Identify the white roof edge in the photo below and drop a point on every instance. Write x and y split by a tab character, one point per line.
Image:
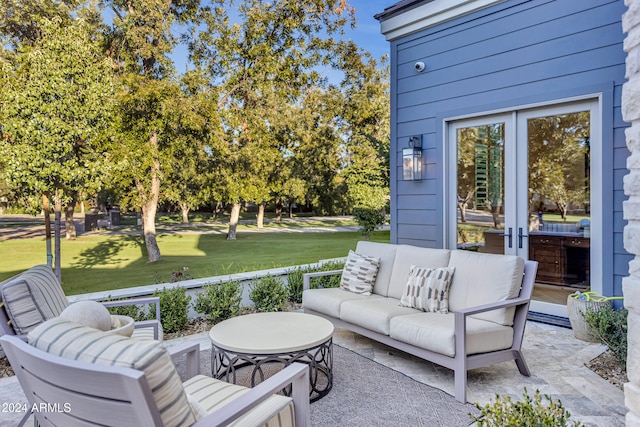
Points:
430	14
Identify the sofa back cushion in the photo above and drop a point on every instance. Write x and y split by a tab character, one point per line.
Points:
485	278
32	297
78	342
386	252
407	256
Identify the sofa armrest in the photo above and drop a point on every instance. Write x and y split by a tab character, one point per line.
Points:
306	278
460	320
191	350
492	306
297	374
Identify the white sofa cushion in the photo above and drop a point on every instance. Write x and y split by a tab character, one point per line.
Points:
485	278
427	289
373	314
77	342
359	273
328	300
434	332
387	253
406	256
206	394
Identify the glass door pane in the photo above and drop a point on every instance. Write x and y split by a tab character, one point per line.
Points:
480	187
559	203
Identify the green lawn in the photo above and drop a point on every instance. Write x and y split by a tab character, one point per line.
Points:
101	262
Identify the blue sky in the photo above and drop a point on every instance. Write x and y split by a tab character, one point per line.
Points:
366	34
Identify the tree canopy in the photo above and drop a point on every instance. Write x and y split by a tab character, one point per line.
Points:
93	104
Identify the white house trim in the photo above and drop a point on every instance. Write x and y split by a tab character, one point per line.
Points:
429	14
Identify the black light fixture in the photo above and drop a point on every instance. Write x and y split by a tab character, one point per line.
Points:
412	159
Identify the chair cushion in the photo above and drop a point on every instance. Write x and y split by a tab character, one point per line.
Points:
374	314
32	297
77	342
359	273
485	278
427	289
434	332
328	300
209	394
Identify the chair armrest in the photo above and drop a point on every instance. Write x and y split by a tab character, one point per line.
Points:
306	278
297	374
191	350
155	324
135	301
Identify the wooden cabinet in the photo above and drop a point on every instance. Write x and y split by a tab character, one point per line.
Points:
563	258
548	251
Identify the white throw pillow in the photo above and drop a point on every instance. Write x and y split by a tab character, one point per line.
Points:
359	274
427	289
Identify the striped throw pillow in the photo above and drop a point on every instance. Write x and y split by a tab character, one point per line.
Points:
427	289
77	342
33	297
359	273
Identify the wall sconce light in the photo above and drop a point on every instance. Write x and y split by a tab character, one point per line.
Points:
412	159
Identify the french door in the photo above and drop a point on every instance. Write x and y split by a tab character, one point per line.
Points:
520	183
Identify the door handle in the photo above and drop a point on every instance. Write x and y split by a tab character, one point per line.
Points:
520	236
509	235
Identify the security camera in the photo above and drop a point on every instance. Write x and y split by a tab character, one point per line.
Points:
419	66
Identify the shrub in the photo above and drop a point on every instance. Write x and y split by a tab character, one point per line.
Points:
332	281
174	305
369	220
529	412
609	326
134	311
269	294
295	282
219	301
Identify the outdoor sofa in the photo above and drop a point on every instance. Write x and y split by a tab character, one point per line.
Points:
478	321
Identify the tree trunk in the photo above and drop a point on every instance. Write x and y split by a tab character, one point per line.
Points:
279	210
233	221
290	209
260	217
185	213
495	213
57	209
47	228
150	207
69	225
463	211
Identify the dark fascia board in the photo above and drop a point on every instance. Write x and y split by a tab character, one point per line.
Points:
400	7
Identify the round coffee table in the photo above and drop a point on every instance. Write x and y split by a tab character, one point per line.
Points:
260	340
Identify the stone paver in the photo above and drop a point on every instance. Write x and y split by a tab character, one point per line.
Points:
555	357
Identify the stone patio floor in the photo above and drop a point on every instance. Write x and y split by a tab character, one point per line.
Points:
555	357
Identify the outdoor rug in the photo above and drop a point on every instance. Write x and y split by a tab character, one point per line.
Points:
366	393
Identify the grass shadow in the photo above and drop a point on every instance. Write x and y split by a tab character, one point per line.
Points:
108	252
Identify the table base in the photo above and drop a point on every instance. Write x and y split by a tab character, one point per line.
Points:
227	365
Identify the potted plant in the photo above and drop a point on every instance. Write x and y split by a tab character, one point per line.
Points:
577	304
